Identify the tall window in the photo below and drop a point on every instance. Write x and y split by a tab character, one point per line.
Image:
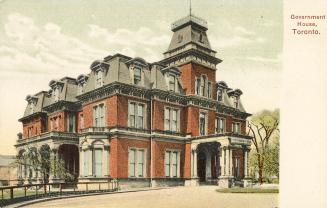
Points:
137	76
209	90
98	162
71	123
98	79
98	115
220	125
172	83
202	87
198	85
136	115
236	128
171	119
86	163
171	163
203	123
136	162
220	95
30	131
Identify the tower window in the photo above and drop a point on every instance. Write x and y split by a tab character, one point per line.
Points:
220	95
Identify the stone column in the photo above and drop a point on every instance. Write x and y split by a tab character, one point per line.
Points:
231	162
90	160
227	162
222	161
81	162
194	172
246	179
105	159
246	164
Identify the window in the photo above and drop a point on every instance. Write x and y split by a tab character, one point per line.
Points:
220	125
171	119
172	83
86	163
136	162
220	95
201	38
30	131
198	84
171	163
136	115
98	79
137	76
55	94
236	128
32	107
98	162
202	86
236	102
209	90
203	124
71	123
98	115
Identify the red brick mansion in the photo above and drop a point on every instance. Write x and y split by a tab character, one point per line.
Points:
146	124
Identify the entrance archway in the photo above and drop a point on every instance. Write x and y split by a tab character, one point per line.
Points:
208	162
69	154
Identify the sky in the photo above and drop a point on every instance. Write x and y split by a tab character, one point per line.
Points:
45	40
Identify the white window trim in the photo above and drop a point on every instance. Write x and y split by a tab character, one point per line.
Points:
206	122
217	125
144	114
240	127
136	163
170	162
171	118
104	113
98	85
141	83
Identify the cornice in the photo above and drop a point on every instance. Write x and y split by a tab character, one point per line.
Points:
62	105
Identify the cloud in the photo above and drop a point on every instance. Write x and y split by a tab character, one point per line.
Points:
143	42
234	36
29	48
278	59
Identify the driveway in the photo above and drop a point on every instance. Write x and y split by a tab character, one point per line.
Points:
183	197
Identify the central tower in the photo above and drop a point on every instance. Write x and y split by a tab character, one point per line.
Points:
190	50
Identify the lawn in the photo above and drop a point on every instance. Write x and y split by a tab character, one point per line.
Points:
248	190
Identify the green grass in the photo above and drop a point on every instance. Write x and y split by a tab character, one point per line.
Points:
247	190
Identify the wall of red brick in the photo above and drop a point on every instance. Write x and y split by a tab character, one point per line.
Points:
192	70
119	156
36	124
192	121
61	115
159	157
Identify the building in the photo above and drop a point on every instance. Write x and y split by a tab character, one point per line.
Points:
8	171
164	123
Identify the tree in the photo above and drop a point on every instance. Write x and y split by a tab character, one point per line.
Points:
41	162
262	127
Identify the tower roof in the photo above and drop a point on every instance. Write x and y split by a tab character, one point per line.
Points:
189	20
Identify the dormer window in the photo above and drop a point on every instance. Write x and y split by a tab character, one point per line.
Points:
98	79
137	76
172	83
220	95
56	94
236	102
32	107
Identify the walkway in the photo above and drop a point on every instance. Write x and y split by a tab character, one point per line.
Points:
183	197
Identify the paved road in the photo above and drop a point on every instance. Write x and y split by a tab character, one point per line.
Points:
179	197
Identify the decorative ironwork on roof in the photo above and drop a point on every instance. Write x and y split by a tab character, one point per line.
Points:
189	19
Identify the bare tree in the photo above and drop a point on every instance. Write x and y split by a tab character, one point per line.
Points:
261	128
